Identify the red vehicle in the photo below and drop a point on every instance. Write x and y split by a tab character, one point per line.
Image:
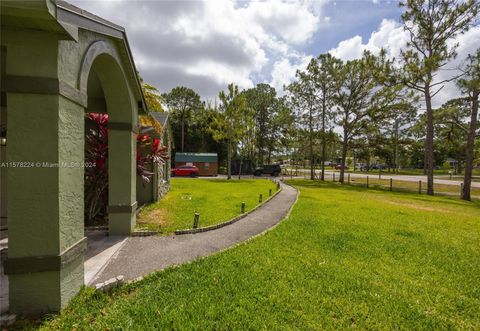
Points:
340	166
185	170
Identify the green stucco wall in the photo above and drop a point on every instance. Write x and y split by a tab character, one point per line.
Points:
45	203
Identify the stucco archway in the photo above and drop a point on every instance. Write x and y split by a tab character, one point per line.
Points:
49	50
101	69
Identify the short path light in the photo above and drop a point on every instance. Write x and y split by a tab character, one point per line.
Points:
243	207
196	219
260	198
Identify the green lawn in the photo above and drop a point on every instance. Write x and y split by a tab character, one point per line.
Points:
374	182
438	173
346	257
216	200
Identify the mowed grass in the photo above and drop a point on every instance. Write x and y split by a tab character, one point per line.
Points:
217	201
346	258
384	183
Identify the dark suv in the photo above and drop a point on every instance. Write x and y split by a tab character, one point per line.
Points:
268	169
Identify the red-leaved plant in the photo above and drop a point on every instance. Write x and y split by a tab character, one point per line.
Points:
96	160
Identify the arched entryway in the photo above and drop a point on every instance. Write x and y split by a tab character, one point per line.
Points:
50	52
104	83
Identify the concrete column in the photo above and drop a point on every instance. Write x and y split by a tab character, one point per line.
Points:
45	205
121	179
45	135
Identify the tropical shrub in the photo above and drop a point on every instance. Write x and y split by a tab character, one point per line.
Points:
96	157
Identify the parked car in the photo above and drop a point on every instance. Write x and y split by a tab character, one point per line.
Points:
340	166
361	166
378	166
185	170
268	169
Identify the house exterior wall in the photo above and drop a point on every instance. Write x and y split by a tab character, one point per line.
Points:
45	104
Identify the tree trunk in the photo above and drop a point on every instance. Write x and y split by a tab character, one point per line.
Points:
240	169
395	148
354	161
323	140
312	170
429	141
183	132
344	158
467	181
229	160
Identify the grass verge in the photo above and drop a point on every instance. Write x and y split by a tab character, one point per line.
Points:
346	257
217	201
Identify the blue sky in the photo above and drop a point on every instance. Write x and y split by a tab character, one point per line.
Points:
350	18
206	45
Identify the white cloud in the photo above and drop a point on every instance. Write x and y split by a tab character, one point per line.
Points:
284	71
349	49
208	44
390	36
292	22
393	38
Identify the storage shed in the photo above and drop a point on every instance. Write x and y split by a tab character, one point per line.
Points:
207	163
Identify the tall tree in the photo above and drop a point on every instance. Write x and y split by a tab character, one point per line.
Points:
245	133
303	99
451	122
182	101
281	126
431	24
324	70
470	85
226	124
261	98
396	126
354	99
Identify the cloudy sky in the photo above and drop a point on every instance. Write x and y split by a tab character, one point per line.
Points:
206	45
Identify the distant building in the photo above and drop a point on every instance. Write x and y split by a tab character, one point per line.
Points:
207	163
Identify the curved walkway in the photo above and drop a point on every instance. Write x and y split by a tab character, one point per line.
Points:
143	255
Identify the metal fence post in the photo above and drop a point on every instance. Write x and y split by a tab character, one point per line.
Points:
367	181
334	177
348	178
391	184
419	187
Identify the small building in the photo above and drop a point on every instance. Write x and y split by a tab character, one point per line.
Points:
207	163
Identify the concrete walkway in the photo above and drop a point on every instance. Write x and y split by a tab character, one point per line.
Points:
140	256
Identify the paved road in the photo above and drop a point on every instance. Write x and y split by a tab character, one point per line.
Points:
141	255
409	178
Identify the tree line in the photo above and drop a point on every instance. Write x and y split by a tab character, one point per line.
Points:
375	106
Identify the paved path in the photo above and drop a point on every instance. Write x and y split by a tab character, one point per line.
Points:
141	255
